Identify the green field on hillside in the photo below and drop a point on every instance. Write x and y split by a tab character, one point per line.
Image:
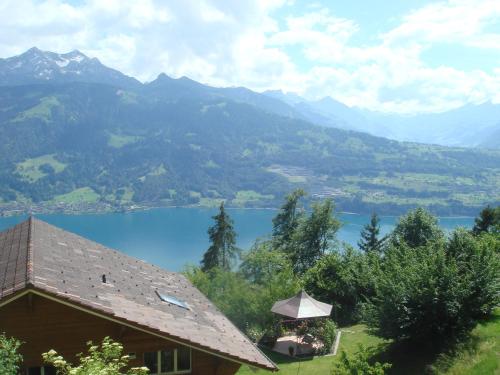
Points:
32	170
82	195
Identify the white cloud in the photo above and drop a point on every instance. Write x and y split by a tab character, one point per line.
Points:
392	75
241	43
459	21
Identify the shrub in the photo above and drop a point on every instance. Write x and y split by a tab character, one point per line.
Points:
345	280
323	330
106	358
436	293
359	364
10	359
416	228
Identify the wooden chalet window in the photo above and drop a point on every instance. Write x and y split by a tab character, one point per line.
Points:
171	361
43	370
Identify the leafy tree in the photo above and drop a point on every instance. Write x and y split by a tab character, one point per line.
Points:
261	264
246	296
345	280
10	359
286	221
487	221
416	228
314	236
229	291
223	251
246	303
359	364
435	294
106	358
478	262
370	241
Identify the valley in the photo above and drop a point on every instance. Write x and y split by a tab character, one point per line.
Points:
114	144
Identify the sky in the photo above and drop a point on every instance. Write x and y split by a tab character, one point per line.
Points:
407	56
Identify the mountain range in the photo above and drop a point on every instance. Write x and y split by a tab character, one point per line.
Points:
467	126
75	132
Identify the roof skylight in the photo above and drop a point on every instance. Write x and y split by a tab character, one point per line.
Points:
172	300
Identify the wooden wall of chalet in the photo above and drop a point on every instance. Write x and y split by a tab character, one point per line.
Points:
43	324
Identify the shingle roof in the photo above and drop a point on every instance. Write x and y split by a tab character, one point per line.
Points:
38	255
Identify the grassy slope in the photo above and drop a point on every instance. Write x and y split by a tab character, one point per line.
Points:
81	195
479	356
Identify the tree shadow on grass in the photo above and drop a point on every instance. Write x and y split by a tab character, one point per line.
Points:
411	359
279	358
406	358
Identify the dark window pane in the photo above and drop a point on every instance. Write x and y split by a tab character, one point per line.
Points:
183	358
35	371
151	362
167	360
49	370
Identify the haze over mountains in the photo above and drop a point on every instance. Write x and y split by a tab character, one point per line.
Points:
74	130
468	126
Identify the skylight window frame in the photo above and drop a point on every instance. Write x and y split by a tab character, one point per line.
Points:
172	300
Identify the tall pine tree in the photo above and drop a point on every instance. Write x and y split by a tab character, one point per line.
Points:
487	221
370	241
223	251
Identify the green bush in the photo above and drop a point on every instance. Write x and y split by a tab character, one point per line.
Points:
325	331
246	297
417	228
345	280
359	364
106	359
436	293
10	359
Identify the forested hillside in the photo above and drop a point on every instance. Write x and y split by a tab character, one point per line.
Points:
177	142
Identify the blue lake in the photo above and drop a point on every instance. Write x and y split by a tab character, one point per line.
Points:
174	237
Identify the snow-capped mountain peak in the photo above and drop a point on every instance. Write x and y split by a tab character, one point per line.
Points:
36	66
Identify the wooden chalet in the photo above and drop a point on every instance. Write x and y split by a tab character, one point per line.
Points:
59	290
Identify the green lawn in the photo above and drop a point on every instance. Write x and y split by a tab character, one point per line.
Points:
480	355
351	337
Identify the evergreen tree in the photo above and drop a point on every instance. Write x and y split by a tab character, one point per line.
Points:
286	221
222	251
487	221
370	241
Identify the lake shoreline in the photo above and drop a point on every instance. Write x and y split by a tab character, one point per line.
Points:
105	208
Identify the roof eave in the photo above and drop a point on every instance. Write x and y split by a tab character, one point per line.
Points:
67	300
